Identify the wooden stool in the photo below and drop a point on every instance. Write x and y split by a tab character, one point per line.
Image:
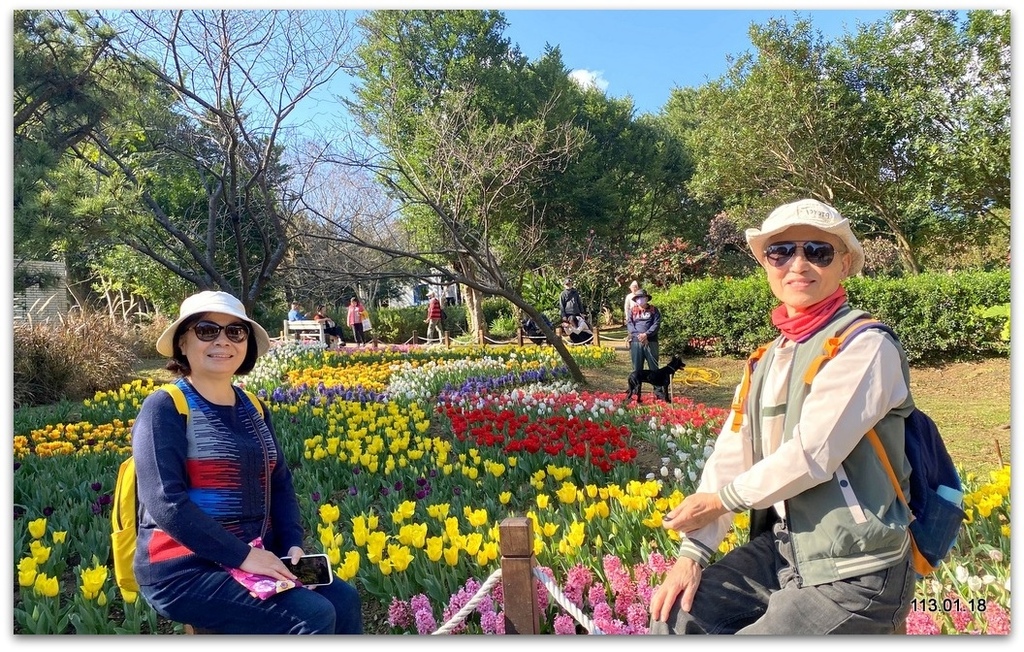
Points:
191	630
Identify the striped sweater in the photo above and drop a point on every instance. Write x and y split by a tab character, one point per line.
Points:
204	484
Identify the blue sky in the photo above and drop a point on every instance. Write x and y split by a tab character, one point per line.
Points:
646	53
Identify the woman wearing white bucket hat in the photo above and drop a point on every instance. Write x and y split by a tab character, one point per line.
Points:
829	549
216	496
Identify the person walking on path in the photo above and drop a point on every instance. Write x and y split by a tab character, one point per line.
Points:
216	501
434	314
642	324
829	549
355	321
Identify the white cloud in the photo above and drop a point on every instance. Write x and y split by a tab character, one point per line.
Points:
589	79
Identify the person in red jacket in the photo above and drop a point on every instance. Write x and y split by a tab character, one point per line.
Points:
433	319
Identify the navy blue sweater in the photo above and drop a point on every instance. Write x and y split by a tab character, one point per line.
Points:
203	488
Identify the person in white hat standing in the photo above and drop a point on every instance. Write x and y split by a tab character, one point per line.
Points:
829	548
215	493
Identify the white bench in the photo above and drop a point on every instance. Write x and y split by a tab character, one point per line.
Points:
305	329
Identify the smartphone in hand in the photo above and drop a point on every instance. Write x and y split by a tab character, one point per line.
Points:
312	570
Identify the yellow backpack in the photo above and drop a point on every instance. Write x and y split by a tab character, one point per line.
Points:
124	513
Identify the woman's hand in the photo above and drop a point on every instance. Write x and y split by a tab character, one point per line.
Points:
681	580
264	562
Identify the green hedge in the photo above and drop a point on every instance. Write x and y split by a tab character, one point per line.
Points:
938	317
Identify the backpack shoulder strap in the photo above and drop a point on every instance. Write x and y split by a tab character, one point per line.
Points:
255	402
181	403
738	405
835	344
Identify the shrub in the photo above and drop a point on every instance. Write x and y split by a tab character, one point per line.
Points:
72	359
938	317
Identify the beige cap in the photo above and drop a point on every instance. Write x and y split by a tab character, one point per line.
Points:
211	301
807	212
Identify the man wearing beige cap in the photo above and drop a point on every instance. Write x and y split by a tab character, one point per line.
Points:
829	548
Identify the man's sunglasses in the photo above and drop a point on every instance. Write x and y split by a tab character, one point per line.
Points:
207	331
819	254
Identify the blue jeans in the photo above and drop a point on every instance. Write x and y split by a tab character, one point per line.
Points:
215	601
754	590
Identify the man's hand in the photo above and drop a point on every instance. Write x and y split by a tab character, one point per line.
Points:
696	511
681	580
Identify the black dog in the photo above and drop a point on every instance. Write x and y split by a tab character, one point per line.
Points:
661	379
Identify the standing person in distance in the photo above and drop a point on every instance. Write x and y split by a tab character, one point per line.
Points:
214	482
569	302
627	307
642	324
433	320
355	321
837	559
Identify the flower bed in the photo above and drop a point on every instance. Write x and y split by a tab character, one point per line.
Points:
405	462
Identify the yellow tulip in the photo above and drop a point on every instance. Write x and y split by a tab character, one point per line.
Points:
27	571
504	497
129	596
542	501
59	537
329	513
349	569
435	548
37	528
46	586
39	552
92	581
400	557
451	556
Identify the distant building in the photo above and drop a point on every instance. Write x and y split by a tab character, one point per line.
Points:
41	290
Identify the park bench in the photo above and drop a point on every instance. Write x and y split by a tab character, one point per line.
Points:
304	329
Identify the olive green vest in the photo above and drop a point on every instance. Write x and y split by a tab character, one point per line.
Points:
853	523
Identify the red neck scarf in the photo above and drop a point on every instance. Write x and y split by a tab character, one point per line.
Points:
802	325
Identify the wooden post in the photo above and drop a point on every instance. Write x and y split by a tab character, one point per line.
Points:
597	335
522	614
480	337
519	332
447	340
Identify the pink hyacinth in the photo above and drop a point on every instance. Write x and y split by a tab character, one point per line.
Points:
596	595
638	618
423	613
492	622
921	623
659	564
997	621
961	619
564	624
577	581
399	613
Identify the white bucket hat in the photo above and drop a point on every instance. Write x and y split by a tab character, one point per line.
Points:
210	301
809	212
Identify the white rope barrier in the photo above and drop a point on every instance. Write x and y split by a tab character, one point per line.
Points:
461	615
548	585
565	603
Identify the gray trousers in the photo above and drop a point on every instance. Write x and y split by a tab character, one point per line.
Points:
753	590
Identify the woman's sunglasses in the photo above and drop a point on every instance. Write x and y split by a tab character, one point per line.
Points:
207	331
819	254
